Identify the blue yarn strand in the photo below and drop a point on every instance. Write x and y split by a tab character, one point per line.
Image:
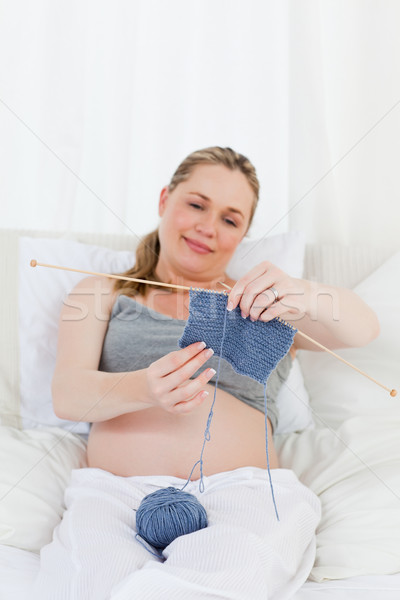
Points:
147	547
207	435
266	450
169	513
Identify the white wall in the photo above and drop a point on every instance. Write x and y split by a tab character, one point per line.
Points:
105	99
345	120
100	101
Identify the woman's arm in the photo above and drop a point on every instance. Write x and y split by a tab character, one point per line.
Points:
335	317
83	393
89	395
79	390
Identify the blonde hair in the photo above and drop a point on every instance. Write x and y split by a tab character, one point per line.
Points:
148	250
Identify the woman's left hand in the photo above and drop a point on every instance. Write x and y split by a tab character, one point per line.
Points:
254	294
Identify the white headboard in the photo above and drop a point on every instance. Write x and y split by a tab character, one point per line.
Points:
343	266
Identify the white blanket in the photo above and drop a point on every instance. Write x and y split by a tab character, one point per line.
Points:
18	570
244	552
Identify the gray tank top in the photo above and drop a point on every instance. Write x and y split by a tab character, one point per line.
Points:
138	335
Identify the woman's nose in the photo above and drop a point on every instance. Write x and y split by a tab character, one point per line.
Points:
206	225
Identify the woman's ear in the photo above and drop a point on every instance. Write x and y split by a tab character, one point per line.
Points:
163	200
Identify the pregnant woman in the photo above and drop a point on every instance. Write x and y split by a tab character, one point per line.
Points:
119	368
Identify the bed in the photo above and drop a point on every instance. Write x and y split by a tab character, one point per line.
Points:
339	431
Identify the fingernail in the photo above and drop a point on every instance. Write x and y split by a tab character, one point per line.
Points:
209	352
212	372
201	345
203	394
230	306
243	315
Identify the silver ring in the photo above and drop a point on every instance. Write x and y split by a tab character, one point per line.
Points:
275	292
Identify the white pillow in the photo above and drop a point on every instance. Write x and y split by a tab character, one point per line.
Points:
40	298
336	391
35	470
352	458
42	291
295	413
285	250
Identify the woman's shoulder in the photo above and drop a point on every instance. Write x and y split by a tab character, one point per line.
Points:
96	290
96	282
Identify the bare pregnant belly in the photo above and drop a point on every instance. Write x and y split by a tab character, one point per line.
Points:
155	442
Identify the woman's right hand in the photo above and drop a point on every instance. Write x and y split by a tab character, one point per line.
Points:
168	379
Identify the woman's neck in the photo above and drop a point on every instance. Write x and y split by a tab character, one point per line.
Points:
168	275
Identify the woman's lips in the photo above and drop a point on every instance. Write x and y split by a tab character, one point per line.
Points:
197	247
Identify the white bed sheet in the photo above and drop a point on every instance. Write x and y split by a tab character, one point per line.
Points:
19	567
368	587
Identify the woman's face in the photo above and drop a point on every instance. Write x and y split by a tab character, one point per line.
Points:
203	220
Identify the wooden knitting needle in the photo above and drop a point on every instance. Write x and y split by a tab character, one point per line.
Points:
346	362
35	263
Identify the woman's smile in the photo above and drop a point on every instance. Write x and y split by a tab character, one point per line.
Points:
197	246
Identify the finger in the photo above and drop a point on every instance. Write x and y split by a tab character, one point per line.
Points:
173	360
237	291
253	290
262	302
192	387
186	407
272	312
184	373
257	286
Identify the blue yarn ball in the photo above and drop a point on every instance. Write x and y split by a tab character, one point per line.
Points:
168	513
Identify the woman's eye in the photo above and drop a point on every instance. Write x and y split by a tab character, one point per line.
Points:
200	207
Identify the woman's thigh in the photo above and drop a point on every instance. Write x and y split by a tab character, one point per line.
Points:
94	546
245	552
244	549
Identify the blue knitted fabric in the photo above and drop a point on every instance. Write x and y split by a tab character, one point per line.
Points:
252	348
